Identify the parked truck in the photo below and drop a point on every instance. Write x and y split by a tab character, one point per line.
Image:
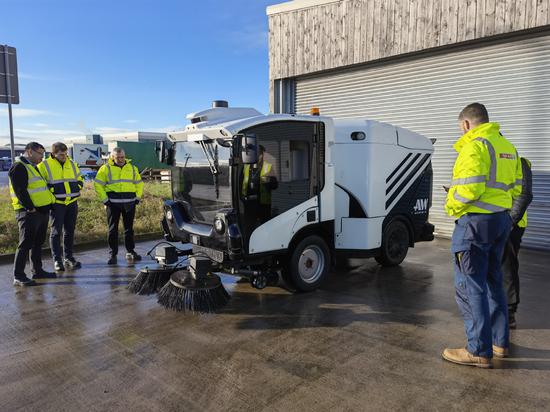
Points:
337	188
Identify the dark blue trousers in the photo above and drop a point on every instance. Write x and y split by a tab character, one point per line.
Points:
477	246
63	218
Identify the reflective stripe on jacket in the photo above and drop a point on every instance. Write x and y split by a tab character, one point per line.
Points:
265	194
64	180
37	188
487	173
118	184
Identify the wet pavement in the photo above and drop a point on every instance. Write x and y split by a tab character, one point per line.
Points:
370	339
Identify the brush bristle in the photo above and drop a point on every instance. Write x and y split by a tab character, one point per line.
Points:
148	282
199	300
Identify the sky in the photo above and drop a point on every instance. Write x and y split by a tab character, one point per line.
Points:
104	66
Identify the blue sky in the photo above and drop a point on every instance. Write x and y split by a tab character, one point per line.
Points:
98	66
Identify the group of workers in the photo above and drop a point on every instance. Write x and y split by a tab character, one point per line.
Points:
45	190
490	191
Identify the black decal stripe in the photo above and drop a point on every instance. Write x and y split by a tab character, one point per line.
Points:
398	167
400	177
421	165
355	208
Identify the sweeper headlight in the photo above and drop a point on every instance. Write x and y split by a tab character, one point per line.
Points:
219	225
169	215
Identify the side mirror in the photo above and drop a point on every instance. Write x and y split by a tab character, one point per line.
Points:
249	149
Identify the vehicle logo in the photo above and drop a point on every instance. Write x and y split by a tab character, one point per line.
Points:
421	206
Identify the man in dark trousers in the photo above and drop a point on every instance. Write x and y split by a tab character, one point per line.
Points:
32	202
119	186
510	262
65	182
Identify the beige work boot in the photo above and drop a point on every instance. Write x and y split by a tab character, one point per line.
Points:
463	357
499	352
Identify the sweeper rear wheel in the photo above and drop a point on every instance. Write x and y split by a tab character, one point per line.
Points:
184	293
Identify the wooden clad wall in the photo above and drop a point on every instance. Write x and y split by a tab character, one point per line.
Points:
347	32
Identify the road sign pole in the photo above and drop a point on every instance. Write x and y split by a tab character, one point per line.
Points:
8	88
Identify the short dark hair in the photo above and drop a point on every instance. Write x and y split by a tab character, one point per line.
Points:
59	147
262	149
476	112
34	146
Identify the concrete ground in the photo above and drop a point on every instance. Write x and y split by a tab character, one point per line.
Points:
371	339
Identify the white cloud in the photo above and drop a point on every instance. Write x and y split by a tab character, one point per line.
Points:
57	132
19	112
43	135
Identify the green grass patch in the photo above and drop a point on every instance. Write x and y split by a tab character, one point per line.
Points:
91	224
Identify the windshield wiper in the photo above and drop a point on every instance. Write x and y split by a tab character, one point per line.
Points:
211	153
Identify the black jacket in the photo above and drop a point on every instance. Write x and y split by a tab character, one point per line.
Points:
520	204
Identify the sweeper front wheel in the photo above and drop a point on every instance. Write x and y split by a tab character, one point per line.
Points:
308	265
185	293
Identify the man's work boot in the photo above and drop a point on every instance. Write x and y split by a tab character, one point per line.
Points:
58	266
42	274
132	257
72	263
463	357
499	352
23	281
112	260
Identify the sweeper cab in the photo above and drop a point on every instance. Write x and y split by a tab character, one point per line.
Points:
260	196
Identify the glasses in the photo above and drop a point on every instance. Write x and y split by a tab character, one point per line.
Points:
41	154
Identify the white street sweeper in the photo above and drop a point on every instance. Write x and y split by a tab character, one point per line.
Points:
260	196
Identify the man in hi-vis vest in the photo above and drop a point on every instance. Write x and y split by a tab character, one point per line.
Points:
65	182
487	177
258	182
31	200
119	186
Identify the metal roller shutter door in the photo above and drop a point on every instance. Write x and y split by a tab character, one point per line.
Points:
426	94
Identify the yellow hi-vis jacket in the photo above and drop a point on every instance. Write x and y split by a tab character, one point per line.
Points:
265	194
117	184
37	188
64	180
487	173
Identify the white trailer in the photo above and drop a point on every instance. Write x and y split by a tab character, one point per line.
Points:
337	188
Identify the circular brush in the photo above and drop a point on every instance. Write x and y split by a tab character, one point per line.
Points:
150	279
185	293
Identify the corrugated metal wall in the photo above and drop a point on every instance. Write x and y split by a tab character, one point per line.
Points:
425	94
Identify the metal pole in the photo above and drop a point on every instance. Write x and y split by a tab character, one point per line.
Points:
8	88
